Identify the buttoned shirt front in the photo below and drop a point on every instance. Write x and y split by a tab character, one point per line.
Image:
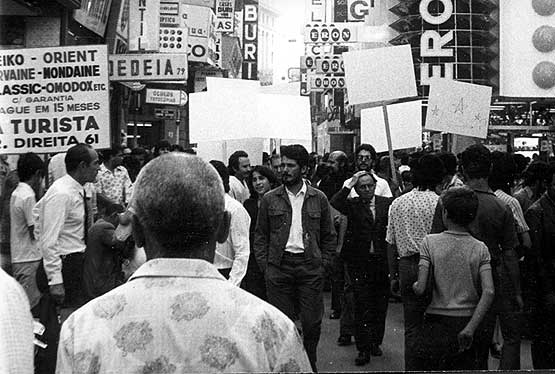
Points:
410	220
234	252
295	243
116	185
23	247
60	224
179	316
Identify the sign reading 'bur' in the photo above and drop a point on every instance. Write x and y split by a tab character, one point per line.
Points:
458	108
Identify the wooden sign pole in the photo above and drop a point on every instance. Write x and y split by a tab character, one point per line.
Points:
389	145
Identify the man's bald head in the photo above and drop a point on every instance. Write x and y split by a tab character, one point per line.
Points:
178	200
337	161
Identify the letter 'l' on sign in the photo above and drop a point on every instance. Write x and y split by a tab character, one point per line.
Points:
144	25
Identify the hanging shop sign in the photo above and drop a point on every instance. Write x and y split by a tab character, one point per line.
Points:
330	65
320	81
144	25
224	15
168	97
318	11
53	98
93	14
148	67
449	39
250	40
335	33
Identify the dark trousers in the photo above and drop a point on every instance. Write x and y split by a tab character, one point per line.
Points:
371	291
72	272
253	281
347	322
337	282
505	307
543	338
437	346
413	307
299	281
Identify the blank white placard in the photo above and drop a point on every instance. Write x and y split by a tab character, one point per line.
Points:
405	123
379	74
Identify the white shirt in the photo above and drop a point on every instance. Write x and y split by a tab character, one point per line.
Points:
59	225
238	190
16	328
382	187
22	202
179	316
295	242
234	252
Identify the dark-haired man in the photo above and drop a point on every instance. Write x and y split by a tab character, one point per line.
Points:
410	220
177	314
25	252
239	168
532	186
495	226
366	158
61	225
113	180
293	241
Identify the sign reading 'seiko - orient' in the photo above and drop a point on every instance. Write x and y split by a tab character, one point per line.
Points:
53	98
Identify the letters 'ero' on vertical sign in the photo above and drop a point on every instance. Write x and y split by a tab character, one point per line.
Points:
250	39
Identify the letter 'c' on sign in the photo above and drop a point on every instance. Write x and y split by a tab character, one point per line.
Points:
436	20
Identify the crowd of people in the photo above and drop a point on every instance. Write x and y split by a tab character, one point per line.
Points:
163	263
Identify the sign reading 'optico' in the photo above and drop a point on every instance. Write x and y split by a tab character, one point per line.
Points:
54	98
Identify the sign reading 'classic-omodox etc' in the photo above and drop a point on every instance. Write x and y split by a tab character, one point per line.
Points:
53	98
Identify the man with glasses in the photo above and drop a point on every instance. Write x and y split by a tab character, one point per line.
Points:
366	157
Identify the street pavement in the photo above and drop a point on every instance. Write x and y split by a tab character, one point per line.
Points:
332	358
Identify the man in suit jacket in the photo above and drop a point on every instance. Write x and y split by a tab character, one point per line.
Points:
365	253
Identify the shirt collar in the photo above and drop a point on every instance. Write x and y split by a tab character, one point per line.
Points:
180	267
301	192
24	186
72	183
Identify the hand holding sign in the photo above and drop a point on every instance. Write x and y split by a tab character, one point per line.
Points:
458	108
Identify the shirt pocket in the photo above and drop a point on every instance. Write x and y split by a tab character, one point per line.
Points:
314	220
277	218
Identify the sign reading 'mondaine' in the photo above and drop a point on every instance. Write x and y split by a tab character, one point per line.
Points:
54	98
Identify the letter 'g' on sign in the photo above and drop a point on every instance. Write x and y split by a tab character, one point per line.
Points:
439	19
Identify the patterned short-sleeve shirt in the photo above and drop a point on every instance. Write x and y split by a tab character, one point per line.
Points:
117	186
179	316
410	220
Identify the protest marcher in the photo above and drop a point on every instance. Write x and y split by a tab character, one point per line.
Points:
456	268
275	160
179	215
541	219
261	180
16	328
232	256
9	185
113	180
102	265
293	240
239	168
494	225
365	254
162	148
383	170
61	225
451	178
25	253
366	157
410	220
532	186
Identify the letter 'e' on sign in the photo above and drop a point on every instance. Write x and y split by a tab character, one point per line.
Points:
380	74
458	108
144	25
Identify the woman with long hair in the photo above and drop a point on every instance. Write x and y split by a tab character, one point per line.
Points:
261	180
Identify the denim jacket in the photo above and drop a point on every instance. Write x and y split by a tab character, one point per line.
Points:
274	223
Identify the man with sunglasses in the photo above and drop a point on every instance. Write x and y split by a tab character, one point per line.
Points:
366	157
